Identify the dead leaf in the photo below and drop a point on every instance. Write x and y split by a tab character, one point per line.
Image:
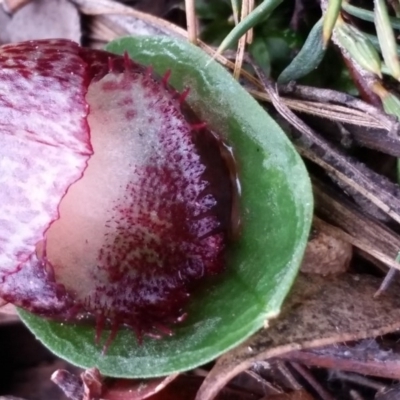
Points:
326	254
377	241
320	311
44	19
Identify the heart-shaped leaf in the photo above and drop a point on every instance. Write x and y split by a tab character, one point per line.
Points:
276	211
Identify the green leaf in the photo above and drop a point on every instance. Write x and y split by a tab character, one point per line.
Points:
276	208
308	58
387	39
359	47
260	53
261	11
367	15
329	19
391	104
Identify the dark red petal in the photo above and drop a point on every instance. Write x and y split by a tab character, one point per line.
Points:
44	140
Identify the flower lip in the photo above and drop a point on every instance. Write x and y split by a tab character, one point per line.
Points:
149	217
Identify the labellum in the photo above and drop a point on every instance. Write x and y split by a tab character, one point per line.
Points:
116	200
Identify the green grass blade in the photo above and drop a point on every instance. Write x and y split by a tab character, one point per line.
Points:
359	47
330	18
260	12
235	10
367	15
387	40
308	58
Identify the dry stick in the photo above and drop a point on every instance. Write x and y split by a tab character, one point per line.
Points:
340	357
355	177
328	95
312	381
241	43
101	29
340	234
264	383
337	210
333	112
362	114
341	166
291	381
250	32
387	280
375	137
191	21
378	238
358	379
352	110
